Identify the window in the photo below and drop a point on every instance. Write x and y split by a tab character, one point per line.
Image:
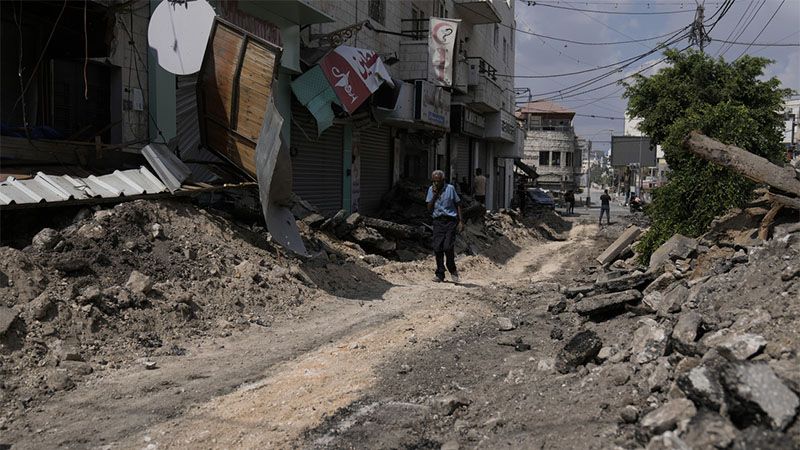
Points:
556	159
377	11
568	160
496	34
544	158
440	9
417	26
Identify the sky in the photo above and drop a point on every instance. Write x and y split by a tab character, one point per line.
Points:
538	56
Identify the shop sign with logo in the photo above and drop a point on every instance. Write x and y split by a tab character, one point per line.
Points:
432	105
354	74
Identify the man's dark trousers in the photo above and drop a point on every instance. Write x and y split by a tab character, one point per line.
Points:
444	240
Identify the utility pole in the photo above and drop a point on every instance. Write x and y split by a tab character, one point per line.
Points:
698	33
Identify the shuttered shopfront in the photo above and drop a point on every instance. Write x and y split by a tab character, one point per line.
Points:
462	157
376	167
316	162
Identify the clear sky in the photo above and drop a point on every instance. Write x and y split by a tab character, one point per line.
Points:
746	21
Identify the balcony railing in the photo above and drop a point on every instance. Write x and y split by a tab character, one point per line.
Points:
414	29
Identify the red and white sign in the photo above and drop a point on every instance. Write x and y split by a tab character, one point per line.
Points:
354	74
441	43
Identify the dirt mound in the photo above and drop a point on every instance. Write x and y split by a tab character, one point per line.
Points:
139	279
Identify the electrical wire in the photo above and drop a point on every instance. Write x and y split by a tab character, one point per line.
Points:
633	41
138	78
733	30
763	28
596	79
747	24
536	3
41	56
761	44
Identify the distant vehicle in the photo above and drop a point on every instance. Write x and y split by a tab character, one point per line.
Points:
540	198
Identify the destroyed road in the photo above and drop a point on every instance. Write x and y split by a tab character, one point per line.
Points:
218	340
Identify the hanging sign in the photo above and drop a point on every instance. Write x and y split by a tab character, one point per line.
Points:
441	44
354	73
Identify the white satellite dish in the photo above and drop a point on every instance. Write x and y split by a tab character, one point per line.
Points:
178	34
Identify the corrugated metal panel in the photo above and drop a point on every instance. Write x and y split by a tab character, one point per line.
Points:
188	124
45	188
316	162
376	167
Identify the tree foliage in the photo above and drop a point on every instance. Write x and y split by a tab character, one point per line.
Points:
724	100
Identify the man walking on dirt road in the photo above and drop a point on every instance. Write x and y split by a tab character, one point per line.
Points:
479	189
605	207
445	207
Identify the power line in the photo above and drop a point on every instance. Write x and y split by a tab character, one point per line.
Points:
595	43
536	3
775	44
733	30
747	24
615	3
762	29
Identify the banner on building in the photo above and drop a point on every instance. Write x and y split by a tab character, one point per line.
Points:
441	45
354	73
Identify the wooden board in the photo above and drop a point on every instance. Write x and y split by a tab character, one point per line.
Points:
235	87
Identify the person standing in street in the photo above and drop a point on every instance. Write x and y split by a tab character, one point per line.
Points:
445	207
605	207
479	186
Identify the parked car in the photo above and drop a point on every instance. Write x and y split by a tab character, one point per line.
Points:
539	198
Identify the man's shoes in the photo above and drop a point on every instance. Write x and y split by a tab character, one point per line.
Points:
436	279
454	277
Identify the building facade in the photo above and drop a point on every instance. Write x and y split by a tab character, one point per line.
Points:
475	126
552	146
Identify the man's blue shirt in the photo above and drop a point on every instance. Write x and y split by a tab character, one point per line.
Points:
446	203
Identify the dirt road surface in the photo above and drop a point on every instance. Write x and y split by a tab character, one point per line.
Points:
417	367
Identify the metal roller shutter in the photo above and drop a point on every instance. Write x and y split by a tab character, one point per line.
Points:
376	167
462	157
316	162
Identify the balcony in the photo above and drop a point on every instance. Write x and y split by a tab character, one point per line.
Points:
477	11
486	96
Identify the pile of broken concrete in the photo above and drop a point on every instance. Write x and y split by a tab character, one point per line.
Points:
714	351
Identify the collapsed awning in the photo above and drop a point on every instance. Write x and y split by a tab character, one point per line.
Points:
346	76
526	169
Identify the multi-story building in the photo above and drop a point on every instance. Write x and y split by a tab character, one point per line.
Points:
650	176
551	145
474	126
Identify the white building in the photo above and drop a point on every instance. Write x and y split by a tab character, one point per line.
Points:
791	117
552	146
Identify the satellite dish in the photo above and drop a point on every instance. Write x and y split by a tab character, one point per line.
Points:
178	34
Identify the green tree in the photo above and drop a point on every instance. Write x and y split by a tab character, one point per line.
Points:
724	100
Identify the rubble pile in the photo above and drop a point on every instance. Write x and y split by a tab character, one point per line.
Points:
137	280
713	356
403	232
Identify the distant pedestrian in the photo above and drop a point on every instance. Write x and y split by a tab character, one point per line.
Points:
605	207
445	207
569	197
479	186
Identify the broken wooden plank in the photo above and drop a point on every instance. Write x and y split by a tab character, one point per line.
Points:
766	222
743	162
783	200
614	250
